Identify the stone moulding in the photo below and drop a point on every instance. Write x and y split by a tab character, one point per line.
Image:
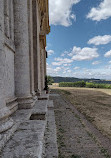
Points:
26	102
12	104
5	122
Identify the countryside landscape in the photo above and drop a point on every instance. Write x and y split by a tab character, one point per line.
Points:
55	78
88	101
79	63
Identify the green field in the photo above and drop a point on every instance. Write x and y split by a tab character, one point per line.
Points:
85	84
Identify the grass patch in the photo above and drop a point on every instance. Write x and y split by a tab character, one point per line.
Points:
65	92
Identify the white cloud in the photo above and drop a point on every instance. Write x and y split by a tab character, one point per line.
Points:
57	69
66	64
65	53
108	54
85	53
110	62
69	71
60	12
102	12
101	73
53	71
98	40
96	62
56	63
76	68
50	52
61	61
108	66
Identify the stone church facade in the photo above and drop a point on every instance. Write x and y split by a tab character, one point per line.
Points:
24	25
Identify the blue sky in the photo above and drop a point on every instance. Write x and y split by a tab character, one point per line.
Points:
79	44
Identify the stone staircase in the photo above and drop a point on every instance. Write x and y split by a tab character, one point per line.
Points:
31	136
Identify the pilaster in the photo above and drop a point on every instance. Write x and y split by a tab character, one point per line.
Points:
5	122
36	48
42	60
31	57
22	55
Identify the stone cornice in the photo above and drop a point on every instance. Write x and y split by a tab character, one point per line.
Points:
44	16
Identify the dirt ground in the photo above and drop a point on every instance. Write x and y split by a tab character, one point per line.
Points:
77	137
94	104
56	86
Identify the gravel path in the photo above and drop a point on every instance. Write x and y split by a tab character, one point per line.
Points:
77	138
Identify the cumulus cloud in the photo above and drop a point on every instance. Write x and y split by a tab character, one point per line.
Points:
66	64
108	54
100	73
57	69
61	61
85	53
53	71
65	53
76	68
110	62
60	12
102	12
96	62
50	52
98	40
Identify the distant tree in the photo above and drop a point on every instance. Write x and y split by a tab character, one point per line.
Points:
50	80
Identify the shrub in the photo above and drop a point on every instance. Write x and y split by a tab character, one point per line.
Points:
50	80
72	84
98	85
84	84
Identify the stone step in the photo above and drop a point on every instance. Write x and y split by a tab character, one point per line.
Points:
5	136
43	97
40	107
27	141
50	104
50	134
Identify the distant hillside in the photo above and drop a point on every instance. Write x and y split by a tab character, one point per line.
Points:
73	79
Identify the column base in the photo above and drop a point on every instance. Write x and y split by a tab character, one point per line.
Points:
12	104
5	121
26	102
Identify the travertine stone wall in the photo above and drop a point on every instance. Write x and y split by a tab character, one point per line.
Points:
42	67
9	50
22	48
22	55
5	123
9	73
31	54
34	3
22	64
38	47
